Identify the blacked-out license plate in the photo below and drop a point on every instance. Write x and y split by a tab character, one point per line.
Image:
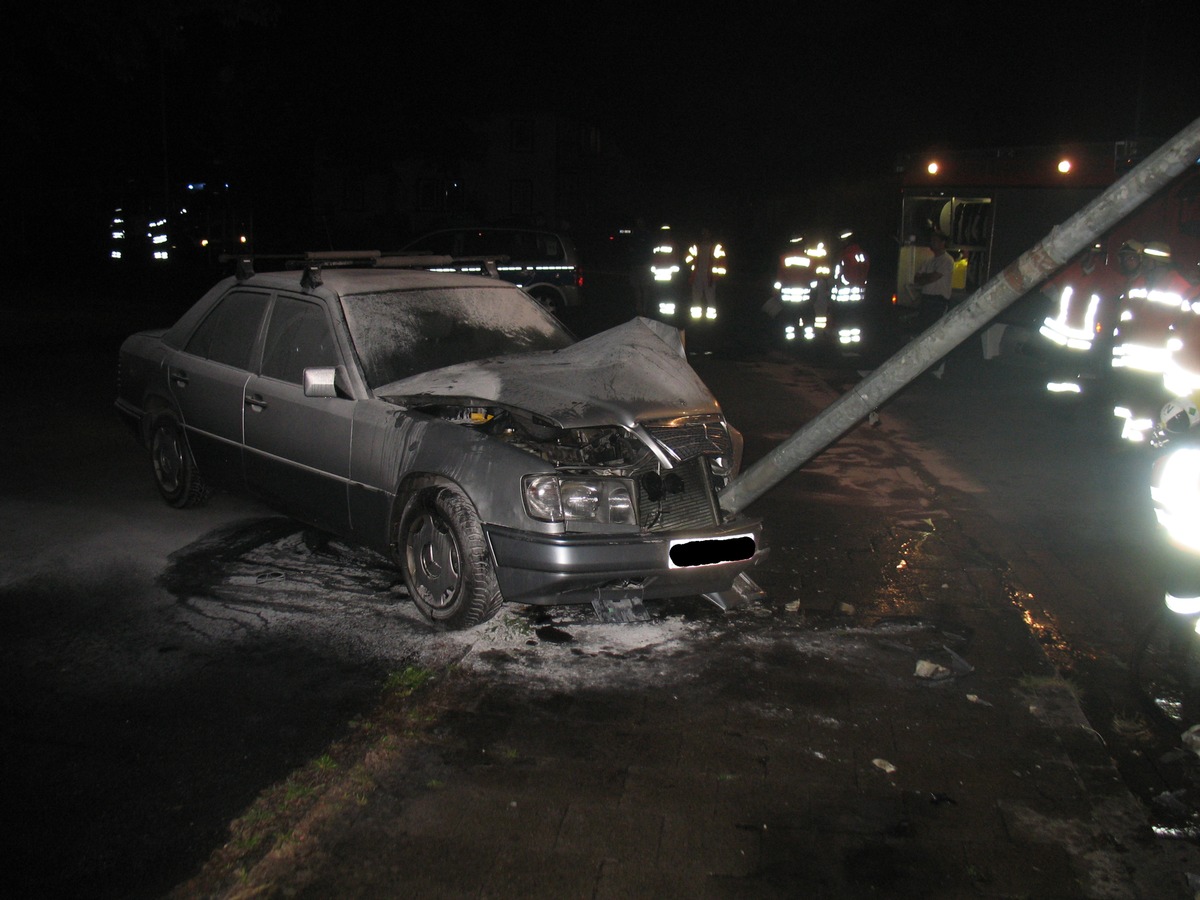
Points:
685	554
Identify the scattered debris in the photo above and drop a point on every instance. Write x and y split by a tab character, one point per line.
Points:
884	765
846	609
928	669
960	665
975	698
743	591
614	610
1191	739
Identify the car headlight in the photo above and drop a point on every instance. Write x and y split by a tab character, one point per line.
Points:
603	501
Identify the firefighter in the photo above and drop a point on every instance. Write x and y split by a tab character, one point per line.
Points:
707	260
1084	316
1152	308
662	277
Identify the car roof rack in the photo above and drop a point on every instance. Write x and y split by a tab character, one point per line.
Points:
314	260
245	261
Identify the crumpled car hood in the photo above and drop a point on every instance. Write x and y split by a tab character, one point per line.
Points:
633	372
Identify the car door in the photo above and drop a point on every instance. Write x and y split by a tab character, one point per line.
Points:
297	448
207	379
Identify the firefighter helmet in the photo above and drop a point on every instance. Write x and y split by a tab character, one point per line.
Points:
1129	257
1179	414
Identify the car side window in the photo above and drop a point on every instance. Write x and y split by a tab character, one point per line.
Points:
228	333
487	243
298	338
549	248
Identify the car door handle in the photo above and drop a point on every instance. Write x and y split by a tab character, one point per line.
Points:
179	376
256	402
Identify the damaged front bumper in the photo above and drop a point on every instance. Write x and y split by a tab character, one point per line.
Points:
544	569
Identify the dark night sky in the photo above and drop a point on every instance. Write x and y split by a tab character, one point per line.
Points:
744	101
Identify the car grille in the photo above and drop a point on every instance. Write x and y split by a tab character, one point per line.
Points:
677	498
684	497
690	436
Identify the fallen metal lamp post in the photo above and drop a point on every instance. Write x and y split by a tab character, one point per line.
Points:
1029	270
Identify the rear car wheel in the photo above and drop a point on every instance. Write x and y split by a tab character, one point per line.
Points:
175	474
445	558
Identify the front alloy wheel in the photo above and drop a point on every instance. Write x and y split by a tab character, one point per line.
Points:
446	562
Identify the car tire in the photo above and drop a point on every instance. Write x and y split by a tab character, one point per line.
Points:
445	559
175	474
549	300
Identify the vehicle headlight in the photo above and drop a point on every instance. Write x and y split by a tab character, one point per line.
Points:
620	506
603	501
580	500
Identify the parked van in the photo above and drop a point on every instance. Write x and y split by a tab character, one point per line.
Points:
544	263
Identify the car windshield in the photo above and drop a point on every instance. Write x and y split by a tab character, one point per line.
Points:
402	333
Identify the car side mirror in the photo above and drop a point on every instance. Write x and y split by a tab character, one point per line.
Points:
325	381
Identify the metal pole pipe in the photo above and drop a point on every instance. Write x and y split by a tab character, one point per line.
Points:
1029	270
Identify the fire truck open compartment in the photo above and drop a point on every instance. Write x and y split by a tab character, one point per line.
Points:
994	203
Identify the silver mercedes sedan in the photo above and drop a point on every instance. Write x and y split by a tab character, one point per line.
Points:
451	423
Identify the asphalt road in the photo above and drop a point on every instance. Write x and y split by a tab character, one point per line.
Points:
159	678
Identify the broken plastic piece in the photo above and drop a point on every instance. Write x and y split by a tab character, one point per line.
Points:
620	607
884	765
742	591
960	665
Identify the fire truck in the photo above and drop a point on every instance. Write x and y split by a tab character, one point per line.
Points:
993	204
